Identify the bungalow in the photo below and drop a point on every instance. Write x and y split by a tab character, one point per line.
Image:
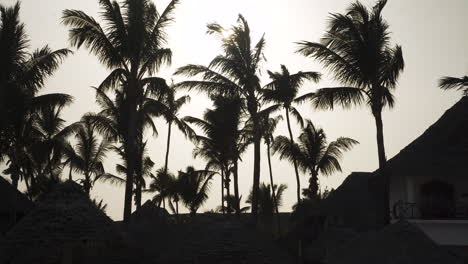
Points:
428	185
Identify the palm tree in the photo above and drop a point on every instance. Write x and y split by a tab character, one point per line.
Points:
88	155
170	113
163	185
235	72
221	145
111	123
131	46
195	185
313	153
23	74
283	91
447	83
51	134
266	205
268	128
356	49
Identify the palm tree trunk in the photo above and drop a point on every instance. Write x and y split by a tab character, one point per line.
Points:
382	167
167	146
70	173
236	189
298	180
272	190
228	191
222	192
313	185
87	184
130	145
256	172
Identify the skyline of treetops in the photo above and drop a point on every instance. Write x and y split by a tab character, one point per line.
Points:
134	102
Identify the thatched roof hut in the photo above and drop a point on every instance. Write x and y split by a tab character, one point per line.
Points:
13	205
399	243
213	238
64	227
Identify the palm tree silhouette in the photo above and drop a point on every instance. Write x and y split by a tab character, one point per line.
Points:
131	46
195	185
356	48
266	204
448	83
313	153
170	113
145	165
22	76
221	145
235	72
283	92
88	155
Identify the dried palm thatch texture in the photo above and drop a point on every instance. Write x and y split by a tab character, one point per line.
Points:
64	226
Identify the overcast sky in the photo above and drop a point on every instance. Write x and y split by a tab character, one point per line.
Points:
433	35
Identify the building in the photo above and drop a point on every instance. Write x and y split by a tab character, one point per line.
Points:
428	184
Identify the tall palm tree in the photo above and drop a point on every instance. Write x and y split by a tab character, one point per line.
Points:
283	91
313	153
23	74
195	185
235	72
131	45
268	128
170	113
356	49
221	144
447	83
88	154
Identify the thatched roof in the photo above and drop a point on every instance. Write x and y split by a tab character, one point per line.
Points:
441	149
8	201
400	243
150	212
64	219
212	238
354	202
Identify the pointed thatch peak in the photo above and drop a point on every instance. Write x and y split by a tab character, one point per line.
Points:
399	243
63	218
149	211
443	145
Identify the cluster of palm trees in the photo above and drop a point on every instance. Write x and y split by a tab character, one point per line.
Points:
131	43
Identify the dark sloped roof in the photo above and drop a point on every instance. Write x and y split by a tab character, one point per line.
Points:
62	218
441	149
8	202
212	238
354	202
399	243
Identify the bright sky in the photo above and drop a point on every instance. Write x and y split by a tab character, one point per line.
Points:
433	35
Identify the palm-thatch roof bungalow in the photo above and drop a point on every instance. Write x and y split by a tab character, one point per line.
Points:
13	205
428	184
64	227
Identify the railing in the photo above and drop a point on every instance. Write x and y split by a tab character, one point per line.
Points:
407	210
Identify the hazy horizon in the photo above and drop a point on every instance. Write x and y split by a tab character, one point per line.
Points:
432	34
